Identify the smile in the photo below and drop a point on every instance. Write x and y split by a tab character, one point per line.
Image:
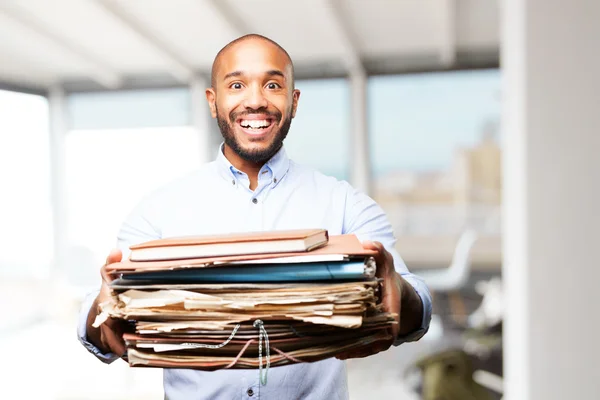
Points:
255	123
258	126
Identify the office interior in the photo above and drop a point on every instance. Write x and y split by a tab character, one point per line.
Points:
472	123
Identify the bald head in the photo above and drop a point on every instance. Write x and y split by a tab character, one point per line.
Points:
246	38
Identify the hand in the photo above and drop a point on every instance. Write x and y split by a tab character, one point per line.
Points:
390	298
365	351
109	336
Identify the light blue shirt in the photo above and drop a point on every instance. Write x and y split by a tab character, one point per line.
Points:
217	199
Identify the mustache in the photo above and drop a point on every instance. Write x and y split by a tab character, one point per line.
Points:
233	116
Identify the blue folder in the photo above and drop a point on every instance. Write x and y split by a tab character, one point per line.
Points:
300	272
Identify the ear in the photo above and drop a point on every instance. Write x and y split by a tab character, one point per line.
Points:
211	98
295	97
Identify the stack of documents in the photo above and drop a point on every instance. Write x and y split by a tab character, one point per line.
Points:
310	298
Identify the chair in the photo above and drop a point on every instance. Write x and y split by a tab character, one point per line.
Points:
454	277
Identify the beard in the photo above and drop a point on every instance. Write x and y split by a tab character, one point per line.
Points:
257	156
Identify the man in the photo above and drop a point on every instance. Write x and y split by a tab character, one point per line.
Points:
253	186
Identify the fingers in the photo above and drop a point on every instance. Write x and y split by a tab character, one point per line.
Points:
114	256
364	352
111	332
112	337
345	356
356	354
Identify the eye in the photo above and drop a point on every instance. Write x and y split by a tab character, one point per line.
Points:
235	85
273	85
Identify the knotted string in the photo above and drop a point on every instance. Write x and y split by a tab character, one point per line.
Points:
262	337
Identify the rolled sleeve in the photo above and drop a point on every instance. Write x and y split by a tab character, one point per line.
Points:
82	331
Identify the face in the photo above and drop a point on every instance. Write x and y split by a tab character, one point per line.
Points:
253	99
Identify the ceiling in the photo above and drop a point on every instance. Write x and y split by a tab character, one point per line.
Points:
112	44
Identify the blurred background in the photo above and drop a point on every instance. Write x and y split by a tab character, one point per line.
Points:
102	101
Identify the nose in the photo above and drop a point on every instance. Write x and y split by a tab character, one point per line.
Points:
255	98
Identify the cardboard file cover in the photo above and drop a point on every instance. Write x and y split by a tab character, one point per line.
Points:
229	244
346	245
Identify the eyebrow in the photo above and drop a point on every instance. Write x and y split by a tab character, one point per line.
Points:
272	72
232	75
275	72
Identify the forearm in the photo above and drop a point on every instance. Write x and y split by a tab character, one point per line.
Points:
409	302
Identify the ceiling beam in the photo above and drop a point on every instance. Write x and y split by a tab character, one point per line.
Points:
336	13
179	68
236	24
100	72
22	88
448	32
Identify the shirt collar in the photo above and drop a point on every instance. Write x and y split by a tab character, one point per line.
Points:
278	165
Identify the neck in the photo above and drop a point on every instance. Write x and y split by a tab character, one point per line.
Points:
248	167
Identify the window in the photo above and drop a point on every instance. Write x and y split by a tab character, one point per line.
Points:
122	146
319	133
25	211
110	171
435	154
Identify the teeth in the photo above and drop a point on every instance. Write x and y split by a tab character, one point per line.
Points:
255	124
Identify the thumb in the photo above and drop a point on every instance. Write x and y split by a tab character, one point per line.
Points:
114	256
378	249
371	245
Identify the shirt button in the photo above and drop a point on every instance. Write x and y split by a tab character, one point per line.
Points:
250	392
274	180
233	181
255	200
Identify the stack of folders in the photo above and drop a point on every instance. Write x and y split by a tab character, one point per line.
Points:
247	300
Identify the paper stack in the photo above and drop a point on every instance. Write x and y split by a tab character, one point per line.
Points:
248	301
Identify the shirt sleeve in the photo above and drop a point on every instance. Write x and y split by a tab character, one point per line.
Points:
135	229
367	220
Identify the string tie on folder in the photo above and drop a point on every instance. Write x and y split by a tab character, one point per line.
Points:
240	354
213	346
294	359
262	337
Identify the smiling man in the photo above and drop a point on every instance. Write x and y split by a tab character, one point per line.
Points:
253	106
254	186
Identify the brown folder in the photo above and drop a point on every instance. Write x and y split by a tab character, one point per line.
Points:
278	357
343	245
282	241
